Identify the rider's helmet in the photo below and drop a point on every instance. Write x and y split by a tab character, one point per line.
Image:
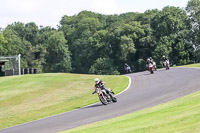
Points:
150	58
97	80
163	56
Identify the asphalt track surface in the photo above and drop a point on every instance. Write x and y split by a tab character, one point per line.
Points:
146	90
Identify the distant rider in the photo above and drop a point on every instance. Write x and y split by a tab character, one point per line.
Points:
154	63
100	84
164	60
149	61
127	68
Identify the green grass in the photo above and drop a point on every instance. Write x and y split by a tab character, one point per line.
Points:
178	116
192	65
31	97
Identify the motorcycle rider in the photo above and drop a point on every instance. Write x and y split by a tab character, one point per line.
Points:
100	84
164	60
149	60
127	68
154	63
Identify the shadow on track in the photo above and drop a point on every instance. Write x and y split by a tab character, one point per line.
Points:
93	106
144	74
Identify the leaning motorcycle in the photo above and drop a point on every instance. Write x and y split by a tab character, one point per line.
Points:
166	64
155	67
151	68
104	97
128	69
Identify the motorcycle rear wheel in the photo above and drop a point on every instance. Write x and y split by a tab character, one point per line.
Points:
114	99
151	70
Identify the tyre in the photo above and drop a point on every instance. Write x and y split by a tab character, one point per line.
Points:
151	70
103	101
114	99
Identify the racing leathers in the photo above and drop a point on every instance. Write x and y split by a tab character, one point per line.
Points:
101	85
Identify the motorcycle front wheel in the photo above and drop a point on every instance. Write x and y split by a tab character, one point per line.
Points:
151	70
103	101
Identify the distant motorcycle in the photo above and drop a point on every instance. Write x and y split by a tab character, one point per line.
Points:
166	64
154	64
151	68
128	69
104	97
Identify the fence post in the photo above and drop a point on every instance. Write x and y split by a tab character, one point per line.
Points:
19	64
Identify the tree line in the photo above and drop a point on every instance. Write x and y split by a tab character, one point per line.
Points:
94	43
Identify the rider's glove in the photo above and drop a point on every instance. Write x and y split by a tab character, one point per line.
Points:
93	92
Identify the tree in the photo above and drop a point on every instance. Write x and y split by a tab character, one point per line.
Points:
99	46
183	55
58	56
127	47
78	29
193	9
172	22
3	42
23	39
39	60
18	28
14	45
164	47
31	33
103	66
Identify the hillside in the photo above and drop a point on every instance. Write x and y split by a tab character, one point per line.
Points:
30	97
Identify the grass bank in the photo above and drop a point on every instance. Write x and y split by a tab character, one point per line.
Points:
31	97
192	65
178	116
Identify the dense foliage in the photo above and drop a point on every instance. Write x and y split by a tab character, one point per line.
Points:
101	44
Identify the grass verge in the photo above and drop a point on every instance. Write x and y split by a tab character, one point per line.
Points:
31	97
192	65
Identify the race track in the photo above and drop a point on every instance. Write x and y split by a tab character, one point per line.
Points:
146	90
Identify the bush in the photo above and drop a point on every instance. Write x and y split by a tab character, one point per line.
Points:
103	66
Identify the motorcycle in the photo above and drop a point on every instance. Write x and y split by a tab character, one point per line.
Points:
128	69
104	97
155	67
166	64
151	68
